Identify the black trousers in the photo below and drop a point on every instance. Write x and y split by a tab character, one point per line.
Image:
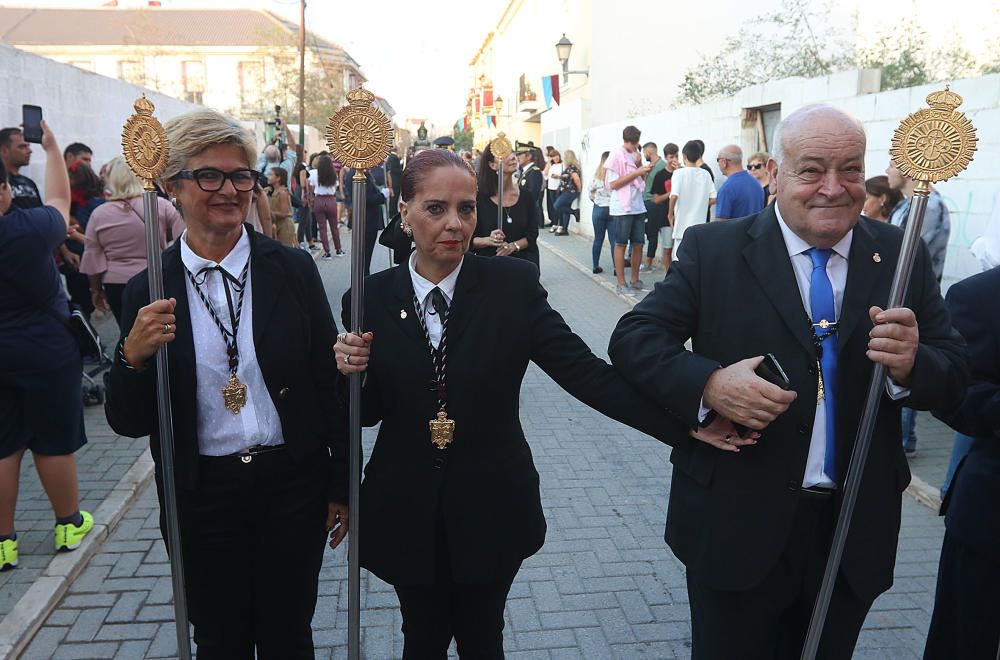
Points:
114	292
966	620
769	622
253	537
472	614
550	205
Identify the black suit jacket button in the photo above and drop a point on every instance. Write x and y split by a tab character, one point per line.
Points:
812	369
804	430
792	485
283	393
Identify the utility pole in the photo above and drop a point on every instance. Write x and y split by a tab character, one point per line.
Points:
302	73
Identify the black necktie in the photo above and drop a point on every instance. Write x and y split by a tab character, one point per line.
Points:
438	302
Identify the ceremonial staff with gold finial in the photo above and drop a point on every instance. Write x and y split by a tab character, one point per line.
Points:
501	148
360	136
931	145
144	144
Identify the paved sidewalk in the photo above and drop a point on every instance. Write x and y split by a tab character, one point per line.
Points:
934	439
603	586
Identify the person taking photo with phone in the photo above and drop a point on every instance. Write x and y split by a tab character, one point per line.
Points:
41	409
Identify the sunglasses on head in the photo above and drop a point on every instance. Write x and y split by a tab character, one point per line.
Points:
755	166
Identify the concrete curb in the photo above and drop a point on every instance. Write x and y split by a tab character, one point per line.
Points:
918	489
924	493
18	628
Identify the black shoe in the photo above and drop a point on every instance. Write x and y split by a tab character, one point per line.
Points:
598	270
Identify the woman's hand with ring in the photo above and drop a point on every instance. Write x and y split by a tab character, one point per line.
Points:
352	351
155	326
497	236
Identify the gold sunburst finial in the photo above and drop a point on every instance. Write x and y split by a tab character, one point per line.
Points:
359	135
936	143
501	146
144	143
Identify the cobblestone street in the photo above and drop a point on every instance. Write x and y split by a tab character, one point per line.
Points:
604	585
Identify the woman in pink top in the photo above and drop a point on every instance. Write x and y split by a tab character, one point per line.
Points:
116	237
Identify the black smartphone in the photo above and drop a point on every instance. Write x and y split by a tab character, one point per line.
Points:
770	370
31	123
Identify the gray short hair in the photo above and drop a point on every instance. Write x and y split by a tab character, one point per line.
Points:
732	153
191	133
792	122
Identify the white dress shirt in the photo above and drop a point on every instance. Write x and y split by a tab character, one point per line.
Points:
422	289
836	270
220	432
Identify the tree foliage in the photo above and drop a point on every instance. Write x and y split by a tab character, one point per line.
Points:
800	40
463	138
899	53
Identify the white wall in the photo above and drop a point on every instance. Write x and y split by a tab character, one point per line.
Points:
79	106
968	197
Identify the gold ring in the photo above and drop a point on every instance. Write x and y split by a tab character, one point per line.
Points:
347	359
166	328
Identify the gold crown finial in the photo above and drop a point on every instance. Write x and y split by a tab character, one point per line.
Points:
945	100
143	106
360	97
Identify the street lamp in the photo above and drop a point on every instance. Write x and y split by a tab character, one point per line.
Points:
563	48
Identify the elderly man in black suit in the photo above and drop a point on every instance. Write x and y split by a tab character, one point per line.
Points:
966	620
752	520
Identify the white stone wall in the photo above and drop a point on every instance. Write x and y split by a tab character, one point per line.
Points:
969	196
78	105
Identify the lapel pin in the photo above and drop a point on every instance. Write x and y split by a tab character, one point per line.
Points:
402	313
877	258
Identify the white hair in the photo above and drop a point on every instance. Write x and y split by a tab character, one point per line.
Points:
792	122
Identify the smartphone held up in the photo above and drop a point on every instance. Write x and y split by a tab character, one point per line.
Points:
31	123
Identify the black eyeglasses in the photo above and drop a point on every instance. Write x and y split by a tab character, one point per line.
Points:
211	179
755	166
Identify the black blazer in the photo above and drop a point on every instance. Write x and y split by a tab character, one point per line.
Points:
294	333
733	292
485	484
971	504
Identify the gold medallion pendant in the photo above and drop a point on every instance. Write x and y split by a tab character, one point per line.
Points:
442	430
234	395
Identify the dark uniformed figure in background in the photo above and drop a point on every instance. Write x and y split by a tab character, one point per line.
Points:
530	177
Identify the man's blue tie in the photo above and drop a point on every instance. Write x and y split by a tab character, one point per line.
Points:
824	312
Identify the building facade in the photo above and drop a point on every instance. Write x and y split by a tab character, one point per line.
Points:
241	62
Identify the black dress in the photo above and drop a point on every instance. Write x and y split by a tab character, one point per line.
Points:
519	222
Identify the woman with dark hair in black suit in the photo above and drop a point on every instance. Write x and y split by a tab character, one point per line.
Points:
519	236
450	503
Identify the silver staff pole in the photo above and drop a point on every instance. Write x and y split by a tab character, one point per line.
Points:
930	145
360	136
144	143
500	148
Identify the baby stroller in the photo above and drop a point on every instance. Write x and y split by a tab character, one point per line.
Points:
95	360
